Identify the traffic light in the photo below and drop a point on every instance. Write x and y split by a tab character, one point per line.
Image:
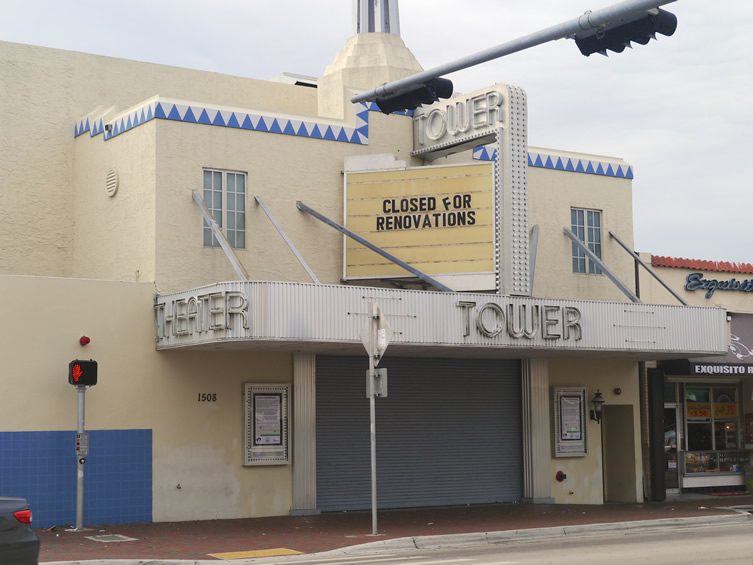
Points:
82	372
638	31
426	93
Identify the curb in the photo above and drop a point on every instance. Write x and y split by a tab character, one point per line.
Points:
449	541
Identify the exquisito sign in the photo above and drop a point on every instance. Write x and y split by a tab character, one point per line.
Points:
720	369
696	281
459	121
438	219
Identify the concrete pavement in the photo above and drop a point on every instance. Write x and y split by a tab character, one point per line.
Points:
348	533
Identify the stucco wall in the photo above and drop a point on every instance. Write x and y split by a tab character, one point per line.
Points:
584	483
552	194
114	237
198	445
281	169
45	92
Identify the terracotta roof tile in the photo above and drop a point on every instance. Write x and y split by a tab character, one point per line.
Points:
701	265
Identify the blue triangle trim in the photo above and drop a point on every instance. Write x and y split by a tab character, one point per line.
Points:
579	168
219	120
610	171
204	117
619	173
537	162
558	165
262	125
569	166
189	116
275	127
233	121
302	131
355	138
599	170
174	114
329	134
289	129
316	133
549	164
342	136
149	115
630	173
159	112
590	169
247	123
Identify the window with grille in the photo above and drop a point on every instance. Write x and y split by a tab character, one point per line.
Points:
225	197
586	225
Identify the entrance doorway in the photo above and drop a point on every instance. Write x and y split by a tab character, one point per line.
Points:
618	447
671	460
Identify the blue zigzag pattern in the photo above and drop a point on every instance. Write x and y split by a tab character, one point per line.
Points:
561	163
165	109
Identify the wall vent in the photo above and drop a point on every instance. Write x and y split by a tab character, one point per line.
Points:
111	182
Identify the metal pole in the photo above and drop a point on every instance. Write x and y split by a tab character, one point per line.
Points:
286	239
651	272
81	392
372	418
584	25
389	256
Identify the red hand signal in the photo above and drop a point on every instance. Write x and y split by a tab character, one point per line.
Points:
77	373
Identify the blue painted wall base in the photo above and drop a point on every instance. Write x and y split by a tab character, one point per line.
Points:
41	467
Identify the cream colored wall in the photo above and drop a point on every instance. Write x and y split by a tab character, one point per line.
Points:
198	445
551	195
114	236
652	291
45	92
584	483
281	169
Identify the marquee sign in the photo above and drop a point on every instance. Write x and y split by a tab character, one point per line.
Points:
459	123
440	220
696	281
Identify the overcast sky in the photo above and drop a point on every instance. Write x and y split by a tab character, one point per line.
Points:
678	109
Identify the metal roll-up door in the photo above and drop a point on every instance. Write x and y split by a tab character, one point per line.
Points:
449	432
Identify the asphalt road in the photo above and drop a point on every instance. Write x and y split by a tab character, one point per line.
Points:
722	544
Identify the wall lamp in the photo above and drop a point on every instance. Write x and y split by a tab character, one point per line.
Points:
597	403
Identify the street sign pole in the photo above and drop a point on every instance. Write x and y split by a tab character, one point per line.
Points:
372	424
81	442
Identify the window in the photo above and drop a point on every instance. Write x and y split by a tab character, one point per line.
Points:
225	197
586	225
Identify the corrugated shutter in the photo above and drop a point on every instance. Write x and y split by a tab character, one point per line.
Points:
449	432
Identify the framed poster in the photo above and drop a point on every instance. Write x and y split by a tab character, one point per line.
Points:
266	425
569	419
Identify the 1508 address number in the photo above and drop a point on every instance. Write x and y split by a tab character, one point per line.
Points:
207	397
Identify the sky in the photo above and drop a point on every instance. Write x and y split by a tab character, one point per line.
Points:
676	109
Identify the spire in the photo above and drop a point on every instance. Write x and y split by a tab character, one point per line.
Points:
381	16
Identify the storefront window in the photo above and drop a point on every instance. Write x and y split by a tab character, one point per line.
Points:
713	432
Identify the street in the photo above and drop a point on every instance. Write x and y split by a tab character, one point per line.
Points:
729	544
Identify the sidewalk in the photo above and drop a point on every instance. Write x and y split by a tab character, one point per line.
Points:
312	534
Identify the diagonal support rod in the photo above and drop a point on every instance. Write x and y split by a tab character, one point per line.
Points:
343	230
651	272
286	239
610	275
229	253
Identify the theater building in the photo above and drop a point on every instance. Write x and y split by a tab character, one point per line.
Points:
702	408
191	226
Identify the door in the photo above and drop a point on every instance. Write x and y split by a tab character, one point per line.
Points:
671	460
618	448
448	432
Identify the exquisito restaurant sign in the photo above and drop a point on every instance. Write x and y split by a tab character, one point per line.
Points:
440	220
696	281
